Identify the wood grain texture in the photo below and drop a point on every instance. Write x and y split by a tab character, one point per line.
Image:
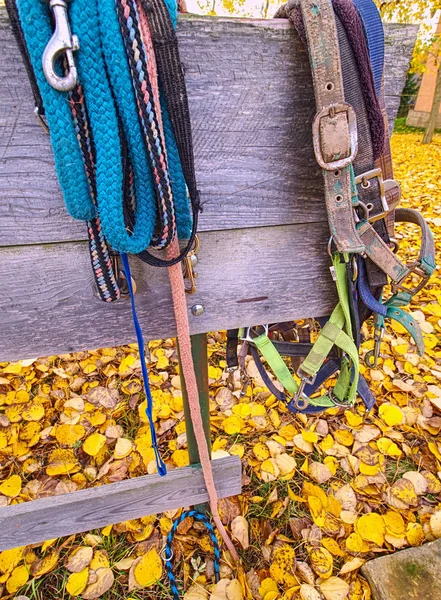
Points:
58	516
251	101
245	276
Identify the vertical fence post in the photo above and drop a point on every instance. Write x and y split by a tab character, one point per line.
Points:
200	359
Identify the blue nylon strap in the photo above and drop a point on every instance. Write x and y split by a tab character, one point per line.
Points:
374	33
328	370
391	309
162	469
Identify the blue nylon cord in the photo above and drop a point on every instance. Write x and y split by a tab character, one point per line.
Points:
374	32
168	550
162	469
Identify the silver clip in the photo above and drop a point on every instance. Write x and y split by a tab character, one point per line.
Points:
371	357
62	42
300	399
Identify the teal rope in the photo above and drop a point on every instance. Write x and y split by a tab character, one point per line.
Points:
102	49
37	29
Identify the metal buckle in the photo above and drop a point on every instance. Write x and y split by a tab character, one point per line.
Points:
247	336
330	112
385	185
412	269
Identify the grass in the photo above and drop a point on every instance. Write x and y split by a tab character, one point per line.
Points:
401	127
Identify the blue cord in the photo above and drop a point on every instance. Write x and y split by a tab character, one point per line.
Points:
162	469
168	551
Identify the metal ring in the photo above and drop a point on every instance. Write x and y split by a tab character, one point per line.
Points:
163	555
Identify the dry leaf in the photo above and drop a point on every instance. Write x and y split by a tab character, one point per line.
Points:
77	582
308	592
334	588
103	583
46	564
79	559
240	531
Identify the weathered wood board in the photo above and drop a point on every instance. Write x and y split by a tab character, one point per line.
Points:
264	227
58	516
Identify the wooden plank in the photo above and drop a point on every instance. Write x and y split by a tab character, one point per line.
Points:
47	518
245	276
252	104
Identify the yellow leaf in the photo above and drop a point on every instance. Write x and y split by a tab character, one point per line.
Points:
237	450
394	523
415	534
13	369
47	544
355	543
106	530
10	558
310	436
261	451
332	463
309	489
434	450
371	528
180	458
68	435
99	560
77	582
288	432
149	569
269	470
344	437
294	497
321	561
233	425
268	585
162	363
123	448
11	487
403	490
17	579
353	419
62	462
45	565
392	415
327	442
94	443
286	463
33	412
387	446
331	545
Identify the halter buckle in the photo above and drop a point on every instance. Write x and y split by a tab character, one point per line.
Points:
300	399
62	42
319	135
412	269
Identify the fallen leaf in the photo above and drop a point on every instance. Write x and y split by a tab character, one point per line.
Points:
149	569
79	559
98	588
240	531
77	582
334	588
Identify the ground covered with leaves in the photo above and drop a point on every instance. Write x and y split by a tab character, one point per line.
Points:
321	495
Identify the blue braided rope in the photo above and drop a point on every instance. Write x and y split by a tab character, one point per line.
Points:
168	551
37	29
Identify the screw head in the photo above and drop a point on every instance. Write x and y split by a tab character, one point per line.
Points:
197	310
193	260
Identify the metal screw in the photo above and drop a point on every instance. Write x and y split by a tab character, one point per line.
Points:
197	310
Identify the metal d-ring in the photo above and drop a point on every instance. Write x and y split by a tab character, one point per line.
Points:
163	555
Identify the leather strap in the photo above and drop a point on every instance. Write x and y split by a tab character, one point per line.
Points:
383	256
334	126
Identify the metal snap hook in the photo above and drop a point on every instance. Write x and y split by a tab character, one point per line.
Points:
61	42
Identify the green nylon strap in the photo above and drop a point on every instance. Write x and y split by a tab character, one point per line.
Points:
337	331
276	363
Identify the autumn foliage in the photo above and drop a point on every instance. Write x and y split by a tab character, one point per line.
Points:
321	494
